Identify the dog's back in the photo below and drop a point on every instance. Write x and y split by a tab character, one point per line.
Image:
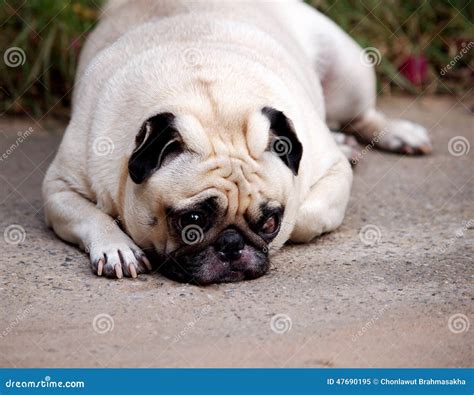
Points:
121	16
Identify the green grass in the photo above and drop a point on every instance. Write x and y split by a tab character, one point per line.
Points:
51	33
435	30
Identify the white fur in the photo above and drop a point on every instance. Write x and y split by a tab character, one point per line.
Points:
208	61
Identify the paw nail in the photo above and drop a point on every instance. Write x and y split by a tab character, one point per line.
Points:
425	149
118	270
147	263
100	267
133	271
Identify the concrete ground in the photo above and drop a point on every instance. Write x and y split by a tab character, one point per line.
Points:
393	287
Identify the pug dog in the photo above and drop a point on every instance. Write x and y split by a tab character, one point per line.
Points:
199	137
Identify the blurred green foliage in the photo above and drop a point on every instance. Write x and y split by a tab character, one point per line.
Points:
50	33
407	33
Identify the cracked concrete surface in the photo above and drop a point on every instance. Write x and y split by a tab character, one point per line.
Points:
404	298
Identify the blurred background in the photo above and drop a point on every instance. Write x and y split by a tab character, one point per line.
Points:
426	47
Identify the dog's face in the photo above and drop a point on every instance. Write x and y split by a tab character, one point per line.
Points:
212	196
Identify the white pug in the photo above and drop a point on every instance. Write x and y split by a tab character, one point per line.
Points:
199	136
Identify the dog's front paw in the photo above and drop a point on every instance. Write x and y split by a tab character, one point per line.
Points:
404	137
348	145
116	260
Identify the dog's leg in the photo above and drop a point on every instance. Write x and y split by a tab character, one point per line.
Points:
350	96
77	220
394	135
348	80
323	209
348	145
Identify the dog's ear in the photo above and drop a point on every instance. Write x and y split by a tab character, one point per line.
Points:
283	139
156	141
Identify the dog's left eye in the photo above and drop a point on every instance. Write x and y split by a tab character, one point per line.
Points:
271	225
195	218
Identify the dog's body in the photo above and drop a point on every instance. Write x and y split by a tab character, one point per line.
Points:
225	103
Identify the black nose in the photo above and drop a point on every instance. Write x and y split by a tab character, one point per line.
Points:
229	245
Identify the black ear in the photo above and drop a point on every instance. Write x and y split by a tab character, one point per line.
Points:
155	141
284	141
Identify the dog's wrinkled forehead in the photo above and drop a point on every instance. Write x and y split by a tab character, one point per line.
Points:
230	153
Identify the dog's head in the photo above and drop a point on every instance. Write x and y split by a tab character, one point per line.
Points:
211	197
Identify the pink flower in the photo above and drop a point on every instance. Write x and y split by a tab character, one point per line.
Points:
414	69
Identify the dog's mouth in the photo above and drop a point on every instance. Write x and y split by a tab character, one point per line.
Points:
210	266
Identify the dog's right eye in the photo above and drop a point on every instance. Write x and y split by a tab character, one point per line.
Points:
194	218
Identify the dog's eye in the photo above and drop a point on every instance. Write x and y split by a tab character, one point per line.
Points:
271	225
195	218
